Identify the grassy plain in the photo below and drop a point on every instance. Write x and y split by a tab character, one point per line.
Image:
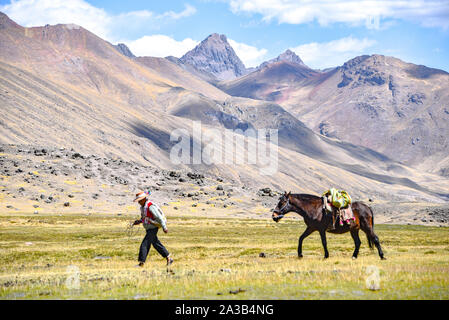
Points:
42	255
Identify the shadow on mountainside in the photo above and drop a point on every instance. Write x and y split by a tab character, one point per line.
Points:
158	137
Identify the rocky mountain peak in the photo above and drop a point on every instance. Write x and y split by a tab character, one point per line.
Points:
376	70
216	37
123	49
364	70
215	55
290	56
287	56
6	22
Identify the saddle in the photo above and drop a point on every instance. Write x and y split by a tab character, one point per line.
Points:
338	204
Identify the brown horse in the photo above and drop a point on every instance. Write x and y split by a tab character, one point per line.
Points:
310	207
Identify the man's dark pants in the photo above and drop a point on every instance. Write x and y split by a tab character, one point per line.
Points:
151	239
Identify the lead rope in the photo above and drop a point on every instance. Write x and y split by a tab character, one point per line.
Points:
130	231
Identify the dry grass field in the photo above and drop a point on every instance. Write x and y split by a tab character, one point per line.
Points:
92	257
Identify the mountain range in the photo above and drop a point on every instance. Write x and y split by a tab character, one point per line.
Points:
375	125
396	108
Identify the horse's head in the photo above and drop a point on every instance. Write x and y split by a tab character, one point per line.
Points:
282	207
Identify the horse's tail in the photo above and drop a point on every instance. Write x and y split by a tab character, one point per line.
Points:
370	243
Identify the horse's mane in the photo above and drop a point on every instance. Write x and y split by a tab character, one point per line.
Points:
305	196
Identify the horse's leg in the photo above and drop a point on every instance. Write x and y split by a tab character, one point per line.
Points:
324	242
376	241
305	234
367	225
357	242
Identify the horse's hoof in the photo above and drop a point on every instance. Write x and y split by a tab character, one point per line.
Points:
354	258
383	258
300	257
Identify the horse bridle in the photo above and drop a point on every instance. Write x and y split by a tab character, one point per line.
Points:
283	207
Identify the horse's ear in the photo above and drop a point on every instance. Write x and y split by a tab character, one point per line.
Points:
285	193
289	193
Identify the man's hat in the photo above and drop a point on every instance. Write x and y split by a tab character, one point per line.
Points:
142	195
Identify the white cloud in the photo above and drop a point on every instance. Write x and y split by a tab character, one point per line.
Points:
40	12
160	46
188	11
250	56
432	13
334	53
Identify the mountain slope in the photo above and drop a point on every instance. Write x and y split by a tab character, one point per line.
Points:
165	68
397	108
59	117
273	82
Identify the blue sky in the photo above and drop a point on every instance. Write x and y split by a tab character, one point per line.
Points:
324	33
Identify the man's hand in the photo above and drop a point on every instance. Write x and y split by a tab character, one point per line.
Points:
137	222
165	230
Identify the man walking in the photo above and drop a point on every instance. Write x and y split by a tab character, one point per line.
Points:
152	218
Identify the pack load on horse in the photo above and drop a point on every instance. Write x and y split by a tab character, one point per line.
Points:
338	204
